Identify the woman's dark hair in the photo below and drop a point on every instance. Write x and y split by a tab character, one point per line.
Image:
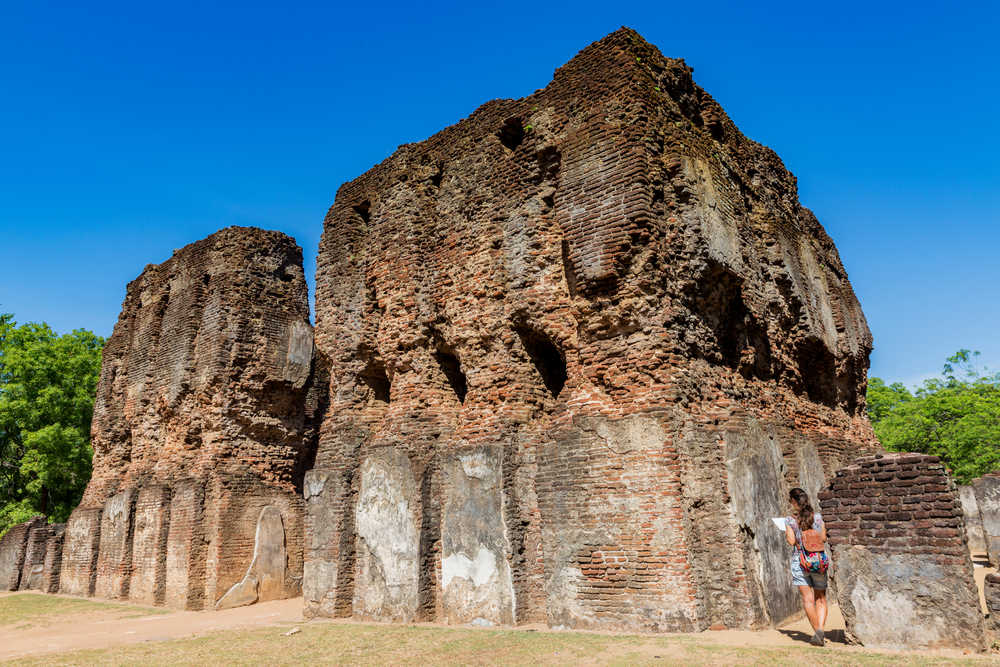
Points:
805	517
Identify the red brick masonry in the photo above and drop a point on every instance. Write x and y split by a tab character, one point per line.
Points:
901	562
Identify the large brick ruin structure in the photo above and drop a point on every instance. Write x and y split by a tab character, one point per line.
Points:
581	344
202	431
571	353
903	572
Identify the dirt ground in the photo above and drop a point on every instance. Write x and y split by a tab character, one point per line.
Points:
47	629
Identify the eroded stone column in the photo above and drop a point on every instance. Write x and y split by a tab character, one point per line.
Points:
476	580
388	542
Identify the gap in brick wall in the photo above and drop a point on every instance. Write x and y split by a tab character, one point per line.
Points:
817	369
452	369
377	381
737	331
545	356
568	274
511	134
364	211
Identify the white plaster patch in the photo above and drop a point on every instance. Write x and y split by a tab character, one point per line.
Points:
115	507
479	571
314	484
264	578
475	465
385	522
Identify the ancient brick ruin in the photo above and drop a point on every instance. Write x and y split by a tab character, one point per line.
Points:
203	428
903	574
571	353
581	344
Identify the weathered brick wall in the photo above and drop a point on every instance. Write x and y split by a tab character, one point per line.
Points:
53	559
580	346
987	490
148	572
205	412
78	573
13	548
33	570
903	572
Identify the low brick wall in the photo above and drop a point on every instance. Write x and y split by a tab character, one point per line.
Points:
13	548
903	572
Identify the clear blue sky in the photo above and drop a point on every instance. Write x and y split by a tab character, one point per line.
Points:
128	130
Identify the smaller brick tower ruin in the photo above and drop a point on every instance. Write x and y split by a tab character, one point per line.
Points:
203	427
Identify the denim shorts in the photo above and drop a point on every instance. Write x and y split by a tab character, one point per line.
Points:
802	578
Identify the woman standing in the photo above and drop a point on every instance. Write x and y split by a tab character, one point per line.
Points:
809	563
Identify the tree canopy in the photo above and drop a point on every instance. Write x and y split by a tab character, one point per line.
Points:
955	416
47	386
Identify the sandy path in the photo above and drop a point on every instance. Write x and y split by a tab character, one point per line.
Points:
101	628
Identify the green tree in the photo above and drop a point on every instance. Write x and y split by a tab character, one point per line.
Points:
955	416
47	386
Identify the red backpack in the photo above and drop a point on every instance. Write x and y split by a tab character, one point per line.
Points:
812	557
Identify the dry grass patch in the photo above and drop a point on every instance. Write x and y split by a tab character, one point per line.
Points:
32	610
369	644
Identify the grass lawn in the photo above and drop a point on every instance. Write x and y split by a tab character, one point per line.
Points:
371	644
30	610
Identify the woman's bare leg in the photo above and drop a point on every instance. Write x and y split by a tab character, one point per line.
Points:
809	604
820	604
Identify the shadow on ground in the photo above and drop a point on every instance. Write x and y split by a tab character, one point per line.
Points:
836	636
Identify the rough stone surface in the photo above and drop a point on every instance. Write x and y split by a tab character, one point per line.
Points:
903	571
580	345
973	519
205	415
13	549
991	591
987	490
265	578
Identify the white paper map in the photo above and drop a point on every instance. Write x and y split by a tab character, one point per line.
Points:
780	523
